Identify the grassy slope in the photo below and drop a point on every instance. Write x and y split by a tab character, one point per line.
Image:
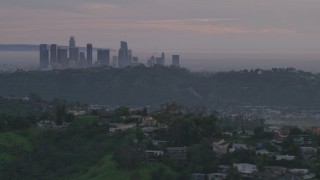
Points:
15	142
107	169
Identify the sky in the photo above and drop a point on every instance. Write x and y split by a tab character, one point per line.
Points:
288	26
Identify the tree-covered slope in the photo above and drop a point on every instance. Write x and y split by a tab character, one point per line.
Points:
157	85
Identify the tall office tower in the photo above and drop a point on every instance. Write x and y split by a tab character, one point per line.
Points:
176	60
63	57
135	61
114	61
151	61
44	56
74	55
53	54
159	61
89	54
162	58
73	51
72	42
82	60
129	61
123	55
103	56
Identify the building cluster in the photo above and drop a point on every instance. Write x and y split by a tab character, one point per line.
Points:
61	57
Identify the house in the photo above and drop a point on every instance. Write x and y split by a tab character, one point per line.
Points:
220	147
236	147
246	170
46	124
309	176
316	131
158	142
177	152
227	134
149	121
298	172
280	135
289	176
153	154
276	170
262	152
76	112
285	157
115	127
26	99
308	152
302	139
223	169
216	176
149	129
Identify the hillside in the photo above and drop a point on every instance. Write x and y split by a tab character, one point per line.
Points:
158	85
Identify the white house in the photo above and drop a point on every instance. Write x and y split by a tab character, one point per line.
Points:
236	147
120	127
245	169
262	152
285	157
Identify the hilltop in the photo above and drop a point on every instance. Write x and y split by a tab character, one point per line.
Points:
158	85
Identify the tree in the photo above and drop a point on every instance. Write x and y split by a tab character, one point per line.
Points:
259	132
139	134
60	114
122	111
35	97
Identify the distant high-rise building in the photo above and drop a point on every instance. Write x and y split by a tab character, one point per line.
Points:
44	56
162	58
123	56
129	60
151	61
103	56
89	54
159	61
53	53
72	42
114	61
74	55
73	51
82	60
176	60
63	57
135	61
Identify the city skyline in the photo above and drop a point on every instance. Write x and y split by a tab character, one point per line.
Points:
54	56
235	26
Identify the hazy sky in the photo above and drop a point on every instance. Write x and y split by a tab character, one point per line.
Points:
156	25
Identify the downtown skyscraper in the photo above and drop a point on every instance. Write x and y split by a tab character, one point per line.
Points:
89	55
124	56
44	56
103	57
73	53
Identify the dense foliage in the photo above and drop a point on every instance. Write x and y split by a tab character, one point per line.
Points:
158	85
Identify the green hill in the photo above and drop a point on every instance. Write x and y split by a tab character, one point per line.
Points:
158	85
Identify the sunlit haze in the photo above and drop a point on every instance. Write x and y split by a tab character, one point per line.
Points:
166	25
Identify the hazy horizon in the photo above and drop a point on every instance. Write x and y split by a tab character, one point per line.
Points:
284	26
195	61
